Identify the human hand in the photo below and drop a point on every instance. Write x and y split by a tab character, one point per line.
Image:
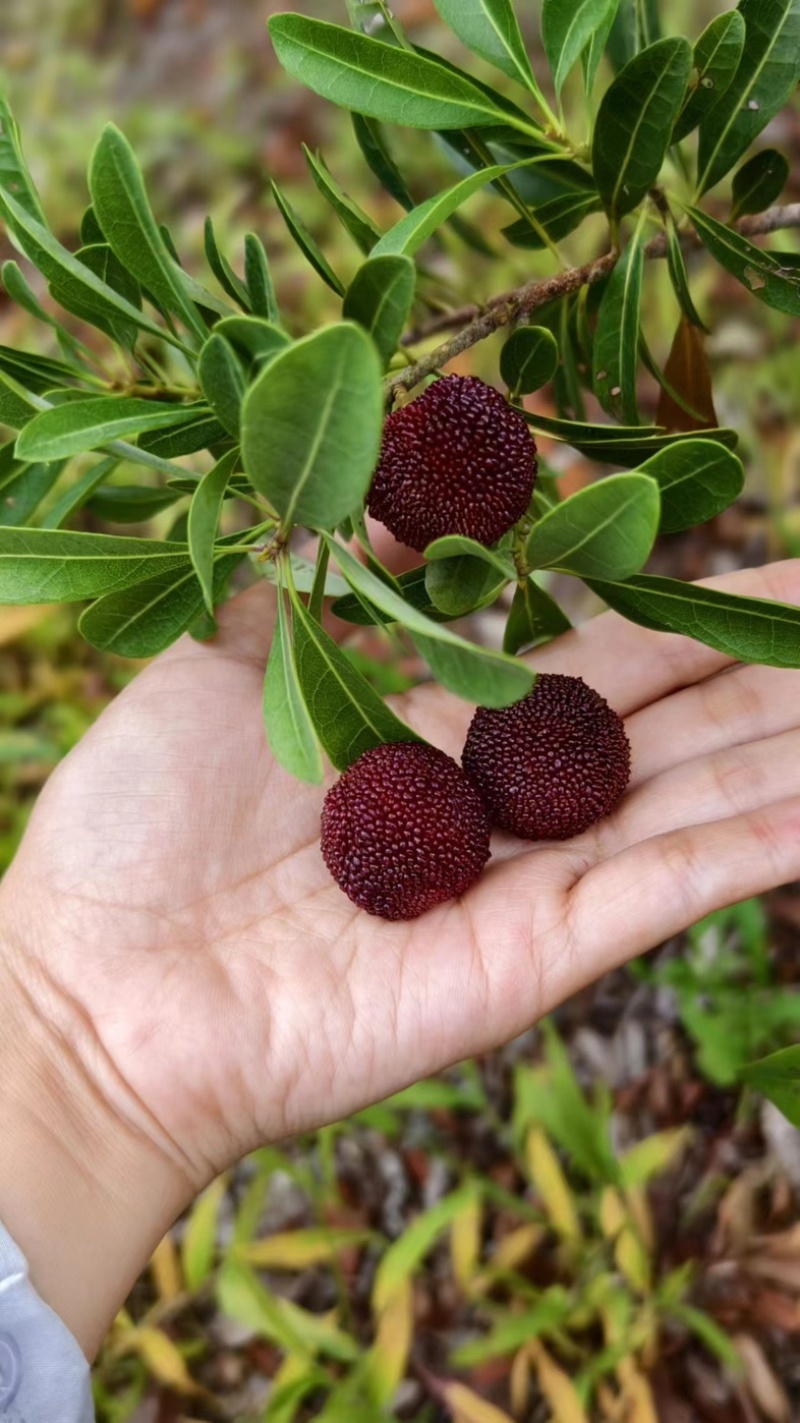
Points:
198	983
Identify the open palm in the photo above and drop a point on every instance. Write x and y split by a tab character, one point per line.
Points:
171	887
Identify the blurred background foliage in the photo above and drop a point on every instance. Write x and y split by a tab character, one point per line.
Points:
594	1222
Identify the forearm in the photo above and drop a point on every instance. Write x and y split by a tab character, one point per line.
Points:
83	1195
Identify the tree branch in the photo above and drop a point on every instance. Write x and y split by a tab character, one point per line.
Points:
476	323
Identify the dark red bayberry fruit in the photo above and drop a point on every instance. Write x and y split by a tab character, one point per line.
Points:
457	460
403	830
553	763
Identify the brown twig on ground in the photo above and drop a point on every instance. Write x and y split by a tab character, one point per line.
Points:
476	323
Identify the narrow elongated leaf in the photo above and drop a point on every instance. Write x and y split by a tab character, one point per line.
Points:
380	298
608	528
557	218
290	729
60	267
222	381
490	28
361	613
513	1331
76	496
529	359
767	73
364	232
635	121
311	426
123	211
50	566
129	503
72	295
759	182
405	1255
567	28
680	277
348	715
621	444
417	226
23	493
748	629
20	292
14	174
17	406
757	270
37	373
379	160
716	60
380	80
595	49
87	424
260	287
697	479
534	618
222	269
686	402
777	1077
142	620
203	432
308	245
204	513
480	675
616	342
252	337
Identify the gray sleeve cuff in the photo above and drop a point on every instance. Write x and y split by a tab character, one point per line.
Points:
44	1377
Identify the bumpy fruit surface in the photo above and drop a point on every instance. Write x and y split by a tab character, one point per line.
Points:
403	830
457	460
553	763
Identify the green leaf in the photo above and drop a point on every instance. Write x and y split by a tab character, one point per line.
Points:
142	620
557	218
76	496
529	359
364	232
73	297
14	174
679	276
607	529
21	495
311	426
123	211
697	479
418	225
534	618
567	28
222	269
459	546
511	1332
348	715
87	424
616	342
619	444
380	298
757	270
37	373
379	160
223	382
62	269
308	245
379	80
411	587
17	406
777	1077
480	675
490	28
748	629
716	59
254	339
458	586
759	182
635	121
260	287
595	49
767	73
50	566
290	729
185	437
129	503
405	1255
20	292
204	514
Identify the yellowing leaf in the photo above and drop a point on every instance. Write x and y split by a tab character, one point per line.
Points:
469	1407
655	1154
514	1249
388	1358
166	1270
547	1176
405	1254
200	1234
638	1404
557	1388
519	1381
465	1241
298	1249
629	1251
164	1361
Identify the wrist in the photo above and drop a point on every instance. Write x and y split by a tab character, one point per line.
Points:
85	1195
